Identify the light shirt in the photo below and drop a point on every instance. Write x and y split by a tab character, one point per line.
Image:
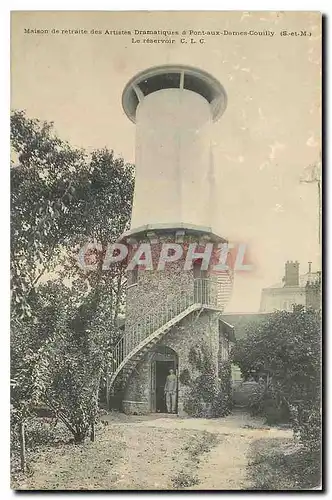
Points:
170	385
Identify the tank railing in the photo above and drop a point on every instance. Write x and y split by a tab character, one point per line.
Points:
205	292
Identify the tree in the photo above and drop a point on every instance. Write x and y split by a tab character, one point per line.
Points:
42	185
287	347
76	361
61	199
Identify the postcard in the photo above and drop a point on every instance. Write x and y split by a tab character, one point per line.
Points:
166	195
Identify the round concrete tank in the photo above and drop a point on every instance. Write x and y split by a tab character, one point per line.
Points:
173	108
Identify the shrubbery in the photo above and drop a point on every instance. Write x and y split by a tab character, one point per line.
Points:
276	464
265	402
209	396
203	388
62	331
287	347
223	403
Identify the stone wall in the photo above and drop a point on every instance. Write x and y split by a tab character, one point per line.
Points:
153	287
137	392
194	331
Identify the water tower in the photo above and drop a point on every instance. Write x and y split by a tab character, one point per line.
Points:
170	313
173	108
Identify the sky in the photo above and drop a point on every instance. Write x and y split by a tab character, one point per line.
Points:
263	144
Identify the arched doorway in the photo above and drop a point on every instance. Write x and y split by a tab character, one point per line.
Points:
162	360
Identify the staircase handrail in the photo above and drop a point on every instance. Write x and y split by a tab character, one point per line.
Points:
200	293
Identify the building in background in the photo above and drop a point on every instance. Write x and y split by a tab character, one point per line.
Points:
313	298
293	289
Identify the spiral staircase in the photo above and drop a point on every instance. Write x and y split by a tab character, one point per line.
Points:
149	330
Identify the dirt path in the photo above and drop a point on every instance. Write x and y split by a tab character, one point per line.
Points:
154	453
225	466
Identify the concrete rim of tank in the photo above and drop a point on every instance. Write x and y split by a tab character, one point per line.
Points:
218	104
173	227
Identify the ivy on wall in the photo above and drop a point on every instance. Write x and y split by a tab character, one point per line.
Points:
184	377
223	403
209	394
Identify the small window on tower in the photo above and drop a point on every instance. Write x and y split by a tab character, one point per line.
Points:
198	273
133	277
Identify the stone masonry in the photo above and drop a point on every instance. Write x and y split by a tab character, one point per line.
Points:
193	331
145	298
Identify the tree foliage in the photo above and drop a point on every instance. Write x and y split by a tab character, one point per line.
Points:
61	198
287	348
208	392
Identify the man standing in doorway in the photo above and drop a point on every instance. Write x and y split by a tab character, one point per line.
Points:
170	392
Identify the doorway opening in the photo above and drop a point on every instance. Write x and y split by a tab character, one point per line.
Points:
162	370
163	360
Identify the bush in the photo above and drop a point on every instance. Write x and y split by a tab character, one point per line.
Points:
184	377
199	401
184	480
307	427
277	464
223	403
39	432
204	388
266	403
209	395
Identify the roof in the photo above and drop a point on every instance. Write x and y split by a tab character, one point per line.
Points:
174	77
171	227
240	321
303	279
227	330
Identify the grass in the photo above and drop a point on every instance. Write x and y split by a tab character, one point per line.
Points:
184	480
281	464
122	457
194	449
41	433
202	444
